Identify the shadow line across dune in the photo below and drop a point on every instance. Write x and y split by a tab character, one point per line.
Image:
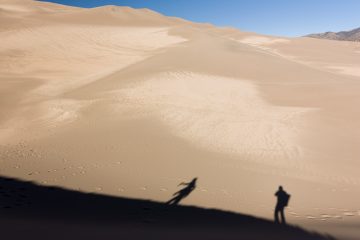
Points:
32	211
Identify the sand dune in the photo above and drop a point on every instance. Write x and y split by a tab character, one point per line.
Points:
128	102
194	106
341	59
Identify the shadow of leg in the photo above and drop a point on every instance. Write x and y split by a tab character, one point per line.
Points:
282	216
276	215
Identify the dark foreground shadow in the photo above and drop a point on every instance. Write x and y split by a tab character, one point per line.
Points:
31	211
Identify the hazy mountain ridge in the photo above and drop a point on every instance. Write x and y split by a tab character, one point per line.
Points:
352	35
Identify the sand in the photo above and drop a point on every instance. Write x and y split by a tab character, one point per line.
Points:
130	103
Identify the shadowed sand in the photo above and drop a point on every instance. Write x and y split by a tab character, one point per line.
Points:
129	102
50	212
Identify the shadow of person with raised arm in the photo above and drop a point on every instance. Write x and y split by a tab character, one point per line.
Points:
282	202
183	193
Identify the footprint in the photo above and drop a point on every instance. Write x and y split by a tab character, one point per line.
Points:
225	192
349	214
293	213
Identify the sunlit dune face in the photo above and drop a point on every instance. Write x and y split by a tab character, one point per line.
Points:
219	113
67	57
347	70
259	40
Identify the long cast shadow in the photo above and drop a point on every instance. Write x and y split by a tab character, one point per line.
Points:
31	211
183	193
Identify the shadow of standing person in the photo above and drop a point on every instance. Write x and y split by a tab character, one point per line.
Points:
183	193
282	201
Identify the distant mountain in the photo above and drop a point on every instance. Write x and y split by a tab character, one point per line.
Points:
352	35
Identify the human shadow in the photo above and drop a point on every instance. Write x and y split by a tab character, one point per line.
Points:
32	211
183	193
282	201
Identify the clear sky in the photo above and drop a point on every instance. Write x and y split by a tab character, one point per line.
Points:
274	17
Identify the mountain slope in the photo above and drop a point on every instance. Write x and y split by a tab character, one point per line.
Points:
352	35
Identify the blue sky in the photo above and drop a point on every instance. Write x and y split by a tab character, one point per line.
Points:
274	17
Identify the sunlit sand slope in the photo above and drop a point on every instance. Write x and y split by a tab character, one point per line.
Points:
129	102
